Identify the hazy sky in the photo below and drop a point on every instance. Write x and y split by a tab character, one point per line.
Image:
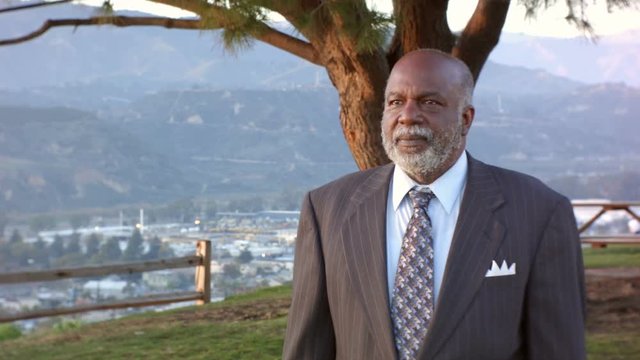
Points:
549	22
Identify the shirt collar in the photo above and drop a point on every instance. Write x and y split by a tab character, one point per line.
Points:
446	188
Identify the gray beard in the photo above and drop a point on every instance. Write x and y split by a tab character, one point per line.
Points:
432	159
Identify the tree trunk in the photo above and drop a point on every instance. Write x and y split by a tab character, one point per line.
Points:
361	105
481	34
420	24
360	80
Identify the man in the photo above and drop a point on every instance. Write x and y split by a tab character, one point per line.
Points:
437	256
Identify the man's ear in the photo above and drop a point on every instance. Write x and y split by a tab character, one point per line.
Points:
467	118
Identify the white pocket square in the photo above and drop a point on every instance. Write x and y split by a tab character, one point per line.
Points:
502	270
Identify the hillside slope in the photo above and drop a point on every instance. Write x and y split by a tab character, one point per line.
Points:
249	326
252	326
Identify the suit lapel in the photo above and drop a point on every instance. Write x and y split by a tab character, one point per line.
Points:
364	239
476	238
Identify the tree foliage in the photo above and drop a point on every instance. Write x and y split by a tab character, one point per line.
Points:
56	249
16	237
232	271
109	251
245	256
92	245
73	244
158	250
354	43
135	247
4	221
16	254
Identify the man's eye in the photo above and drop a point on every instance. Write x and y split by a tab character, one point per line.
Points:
394	102
430	102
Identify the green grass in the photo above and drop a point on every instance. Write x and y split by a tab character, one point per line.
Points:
9	331
187	333
242	340
196	333
612	256
270	293
615	346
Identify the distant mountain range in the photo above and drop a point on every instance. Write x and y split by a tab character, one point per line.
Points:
151	57
104	116
613	58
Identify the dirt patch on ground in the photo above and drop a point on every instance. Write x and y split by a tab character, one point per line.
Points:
256	310
613	304
613	300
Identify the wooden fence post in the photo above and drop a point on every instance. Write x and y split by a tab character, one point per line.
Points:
203	271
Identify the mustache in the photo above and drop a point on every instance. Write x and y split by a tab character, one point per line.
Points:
412	131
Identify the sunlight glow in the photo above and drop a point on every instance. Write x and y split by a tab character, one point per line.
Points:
548	22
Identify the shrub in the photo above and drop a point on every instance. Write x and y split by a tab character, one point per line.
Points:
65	325
9	331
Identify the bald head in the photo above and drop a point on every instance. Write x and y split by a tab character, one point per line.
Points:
455	70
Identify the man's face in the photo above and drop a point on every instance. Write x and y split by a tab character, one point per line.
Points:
424	123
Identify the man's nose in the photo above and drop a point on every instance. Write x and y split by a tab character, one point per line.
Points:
410	113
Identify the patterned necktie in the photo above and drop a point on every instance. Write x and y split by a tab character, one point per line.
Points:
412	304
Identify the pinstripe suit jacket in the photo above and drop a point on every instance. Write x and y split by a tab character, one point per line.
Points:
340	304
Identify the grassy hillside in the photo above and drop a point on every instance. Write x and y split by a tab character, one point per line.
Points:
249	326
612	256
252	326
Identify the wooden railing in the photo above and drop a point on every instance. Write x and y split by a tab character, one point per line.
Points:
601	241
202	294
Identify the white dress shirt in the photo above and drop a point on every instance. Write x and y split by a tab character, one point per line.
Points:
443	212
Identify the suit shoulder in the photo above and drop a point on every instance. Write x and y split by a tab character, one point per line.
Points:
336	194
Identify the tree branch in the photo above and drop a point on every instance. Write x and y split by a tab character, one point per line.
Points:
419	24
225	19
481	34
288	43
264	33
120	21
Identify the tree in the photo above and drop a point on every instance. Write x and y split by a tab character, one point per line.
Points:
4	220
73	244
231	271
109	251
56	249
21	254
40	255
166	251
155	245
15	237
245	256
348	39
92	245
135	247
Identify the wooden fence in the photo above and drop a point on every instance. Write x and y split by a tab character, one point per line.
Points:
601	241
202	262
202	293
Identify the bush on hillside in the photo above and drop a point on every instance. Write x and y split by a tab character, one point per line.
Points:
9	331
